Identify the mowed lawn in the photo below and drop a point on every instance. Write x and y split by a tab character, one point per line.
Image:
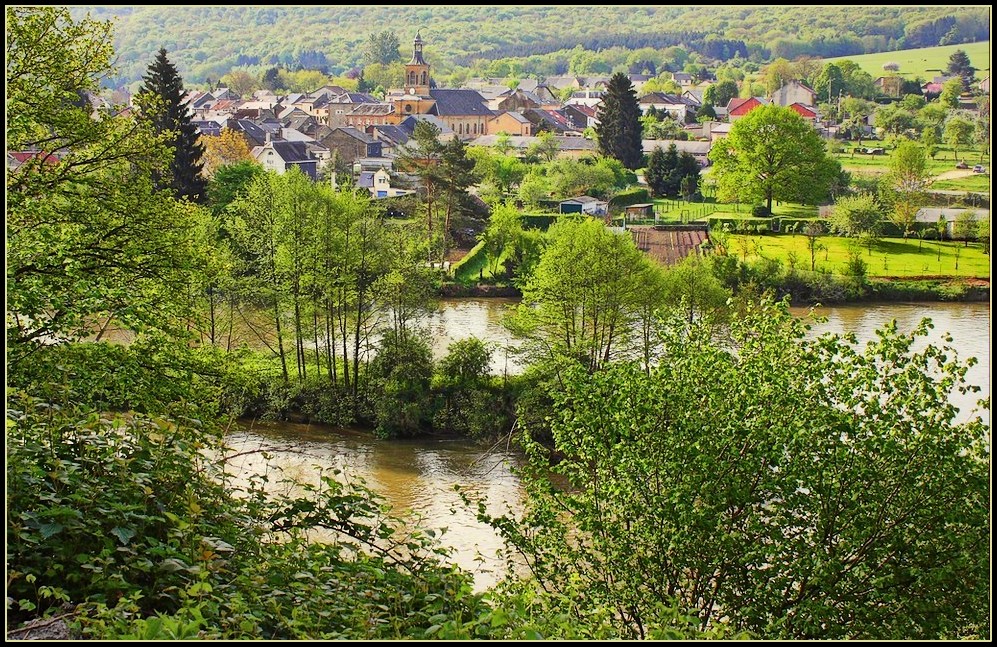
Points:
924	62
890	257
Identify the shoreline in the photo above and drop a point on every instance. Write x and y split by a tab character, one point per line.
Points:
941	289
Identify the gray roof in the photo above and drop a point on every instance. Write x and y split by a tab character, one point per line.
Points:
372	109
408	123
582	199
931	214
356	134
252	130
366	179
696	148
293	151
392	134
459	102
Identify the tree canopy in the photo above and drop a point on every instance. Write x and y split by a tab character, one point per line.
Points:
619	129
88	237
167	111
768	482
770	154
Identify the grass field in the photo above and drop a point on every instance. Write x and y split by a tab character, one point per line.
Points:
926	63
891	257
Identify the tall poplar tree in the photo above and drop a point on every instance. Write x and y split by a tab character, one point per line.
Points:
169	116
619	127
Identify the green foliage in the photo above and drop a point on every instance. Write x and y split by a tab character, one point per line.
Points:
619	128
771	483
382	48
166	110
773	154
503	234
628	197
584	296
88	238
854	216
128	518
229	182
402	371
467	403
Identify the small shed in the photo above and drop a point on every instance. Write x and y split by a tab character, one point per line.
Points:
642	211
584	204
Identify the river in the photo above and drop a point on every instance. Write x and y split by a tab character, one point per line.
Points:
419	475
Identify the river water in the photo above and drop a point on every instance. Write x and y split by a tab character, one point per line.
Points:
420	475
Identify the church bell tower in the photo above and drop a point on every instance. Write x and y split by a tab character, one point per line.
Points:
417	71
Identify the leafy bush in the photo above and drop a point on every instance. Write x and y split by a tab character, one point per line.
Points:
760	211
129	519
401	374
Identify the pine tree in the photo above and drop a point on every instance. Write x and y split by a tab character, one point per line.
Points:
656	173
673	178
619	127
168	114
959	65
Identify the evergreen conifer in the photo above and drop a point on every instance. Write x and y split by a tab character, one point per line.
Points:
619	129
169	114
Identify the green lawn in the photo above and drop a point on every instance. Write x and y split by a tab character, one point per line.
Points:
890	256
925	62
976	183
943	161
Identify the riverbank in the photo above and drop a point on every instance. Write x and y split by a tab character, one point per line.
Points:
942	289
483	290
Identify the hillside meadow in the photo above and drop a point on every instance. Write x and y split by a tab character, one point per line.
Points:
925	62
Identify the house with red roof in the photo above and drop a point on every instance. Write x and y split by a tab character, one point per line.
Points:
737	108
804	111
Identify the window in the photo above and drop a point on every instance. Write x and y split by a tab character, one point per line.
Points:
423	78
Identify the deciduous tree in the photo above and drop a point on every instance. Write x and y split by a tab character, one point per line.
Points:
88	239
773	154
229	147
787	486
903	187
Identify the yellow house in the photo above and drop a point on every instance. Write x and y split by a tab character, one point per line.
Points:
511	123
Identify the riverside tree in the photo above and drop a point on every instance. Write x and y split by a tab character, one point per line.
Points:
773	154
584	297
88	238
163	94
786	486
619	128
904	186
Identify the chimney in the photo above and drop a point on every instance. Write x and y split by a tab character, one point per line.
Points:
266	137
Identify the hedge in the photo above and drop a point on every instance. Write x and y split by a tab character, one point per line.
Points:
466	262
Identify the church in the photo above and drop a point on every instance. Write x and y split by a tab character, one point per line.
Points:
464	111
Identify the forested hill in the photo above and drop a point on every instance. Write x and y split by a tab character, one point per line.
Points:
207	42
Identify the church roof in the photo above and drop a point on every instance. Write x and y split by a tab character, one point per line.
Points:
459	103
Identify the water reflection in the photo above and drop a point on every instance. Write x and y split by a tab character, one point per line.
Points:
967	323
412	475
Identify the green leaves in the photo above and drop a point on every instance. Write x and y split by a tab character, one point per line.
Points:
124	535
763	482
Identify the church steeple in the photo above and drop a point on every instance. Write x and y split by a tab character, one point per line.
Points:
417	71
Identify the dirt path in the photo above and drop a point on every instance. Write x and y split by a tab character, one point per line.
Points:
955	174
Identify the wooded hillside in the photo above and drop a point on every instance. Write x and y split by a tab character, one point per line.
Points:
207	42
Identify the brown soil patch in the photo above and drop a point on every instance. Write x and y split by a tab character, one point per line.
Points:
455	255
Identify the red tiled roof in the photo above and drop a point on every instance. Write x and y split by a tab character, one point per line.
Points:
803	111
741	107
24	156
